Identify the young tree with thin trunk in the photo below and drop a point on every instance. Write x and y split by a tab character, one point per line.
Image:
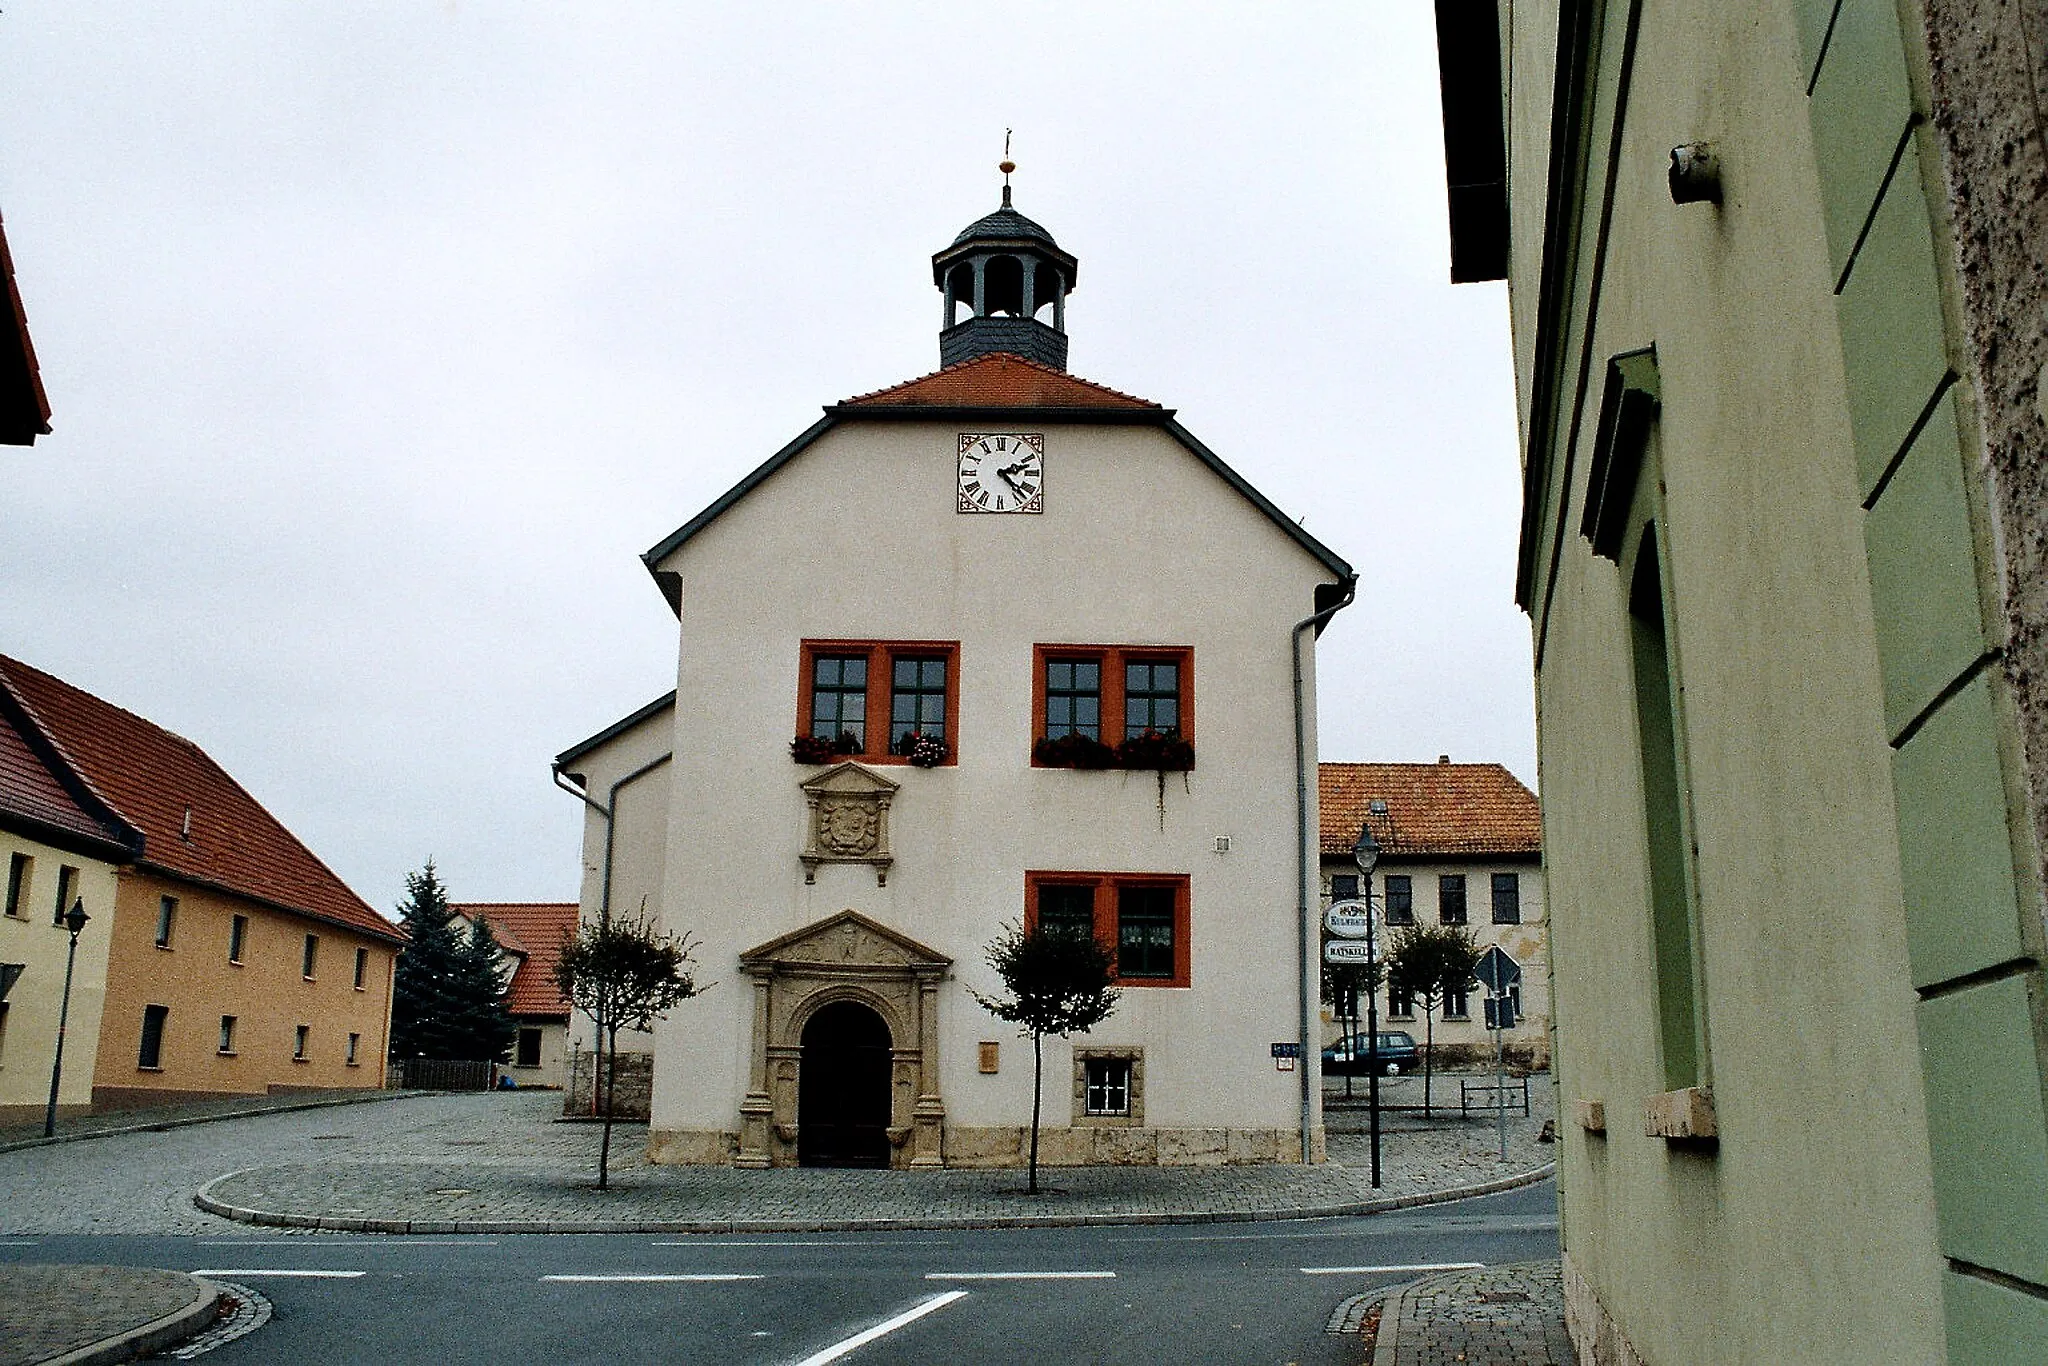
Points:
1059	982
624	974
1430	962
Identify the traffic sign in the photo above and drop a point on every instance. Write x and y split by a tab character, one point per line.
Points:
1344	951
1496	971
1500	1012
1348	919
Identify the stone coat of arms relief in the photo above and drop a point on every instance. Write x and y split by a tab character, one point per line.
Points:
847	820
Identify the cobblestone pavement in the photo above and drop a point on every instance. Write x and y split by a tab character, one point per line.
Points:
158	1117
47	1311
1429	1152
501	1156
1510	1315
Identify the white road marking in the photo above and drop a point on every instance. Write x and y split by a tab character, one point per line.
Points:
862	1339
1387	1270
278	1271
655	1277
1020	1275
362	1242
820	1242
26	1243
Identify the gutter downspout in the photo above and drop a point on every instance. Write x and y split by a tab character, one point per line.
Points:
604	905
1310	1075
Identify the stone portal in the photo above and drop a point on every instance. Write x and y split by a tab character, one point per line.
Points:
844	959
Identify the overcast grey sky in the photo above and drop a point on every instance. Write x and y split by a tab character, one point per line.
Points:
382	338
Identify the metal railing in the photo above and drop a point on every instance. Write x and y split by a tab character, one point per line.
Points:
1468	1089
440	1074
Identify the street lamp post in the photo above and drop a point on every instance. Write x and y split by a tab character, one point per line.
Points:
74	921
1367	852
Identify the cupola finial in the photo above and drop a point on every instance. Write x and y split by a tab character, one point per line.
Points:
1006	166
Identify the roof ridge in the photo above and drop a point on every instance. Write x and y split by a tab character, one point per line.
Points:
984	359
459	904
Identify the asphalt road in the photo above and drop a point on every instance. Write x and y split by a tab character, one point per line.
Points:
1224	1293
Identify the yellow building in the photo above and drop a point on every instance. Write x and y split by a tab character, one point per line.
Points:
60	848
225	957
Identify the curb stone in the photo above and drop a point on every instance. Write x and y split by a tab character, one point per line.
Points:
151	1337
166	1125
205	1200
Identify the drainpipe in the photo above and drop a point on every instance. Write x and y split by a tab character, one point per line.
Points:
1302	928
604	905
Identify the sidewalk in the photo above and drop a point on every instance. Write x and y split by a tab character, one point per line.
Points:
496	1165
1510	1315
84	1315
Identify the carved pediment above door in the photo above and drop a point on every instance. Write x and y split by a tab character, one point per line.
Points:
846	820
846	939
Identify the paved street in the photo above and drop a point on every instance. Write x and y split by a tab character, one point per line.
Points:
1241	1291
1236	1293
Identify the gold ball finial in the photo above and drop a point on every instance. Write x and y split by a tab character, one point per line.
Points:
1006	166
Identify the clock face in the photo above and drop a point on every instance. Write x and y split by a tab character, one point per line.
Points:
1002	472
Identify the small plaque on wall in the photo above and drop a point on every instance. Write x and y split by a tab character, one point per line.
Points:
990	1055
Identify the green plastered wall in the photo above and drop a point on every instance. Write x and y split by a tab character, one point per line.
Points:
1974	967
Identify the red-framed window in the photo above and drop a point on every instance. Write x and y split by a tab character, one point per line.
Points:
1142	918
879	693
1110	693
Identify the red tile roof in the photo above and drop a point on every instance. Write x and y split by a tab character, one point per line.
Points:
24	408
999	380
151	779
1440	809
534	930
33	794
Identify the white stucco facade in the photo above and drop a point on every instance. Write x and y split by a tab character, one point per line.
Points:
1143	542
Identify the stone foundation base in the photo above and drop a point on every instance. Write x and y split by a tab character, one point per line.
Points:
1009	1146
692	1147
634	1085
1596	1337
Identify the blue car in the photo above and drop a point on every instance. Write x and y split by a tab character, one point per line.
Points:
1350	1056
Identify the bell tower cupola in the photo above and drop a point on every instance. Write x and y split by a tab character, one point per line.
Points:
1006	284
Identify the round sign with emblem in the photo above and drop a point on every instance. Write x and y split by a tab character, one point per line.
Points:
1347	919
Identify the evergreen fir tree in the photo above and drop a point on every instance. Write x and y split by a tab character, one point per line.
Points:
424	992
482	1026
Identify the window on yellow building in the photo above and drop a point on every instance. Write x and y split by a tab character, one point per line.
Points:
20	868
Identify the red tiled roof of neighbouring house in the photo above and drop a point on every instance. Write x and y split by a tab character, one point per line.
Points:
998	380
152	779
24	407
1464	810
34	796
534	930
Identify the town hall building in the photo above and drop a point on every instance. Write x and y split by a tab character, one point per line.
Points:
994	646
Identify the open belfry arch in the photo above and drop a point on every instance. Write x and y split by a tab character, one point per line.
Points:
844	957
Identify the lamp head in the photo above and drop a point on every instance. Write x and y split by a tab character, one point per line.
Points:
1366	851
75	918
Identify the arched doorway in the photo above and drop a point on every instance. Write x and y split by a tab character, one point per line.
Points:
843	1089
